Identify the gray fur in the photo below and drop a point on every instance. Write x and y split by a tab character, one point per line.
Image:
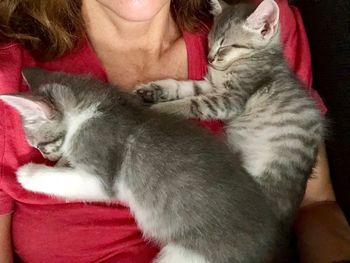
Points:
270	120
184	186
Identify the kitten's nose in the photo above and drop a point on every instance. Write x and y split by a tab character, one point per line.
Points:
211	59
42	148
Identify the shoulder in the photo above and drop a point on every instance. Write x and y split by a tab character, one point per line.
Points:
197	50
296	48
14	148
13	57
200	36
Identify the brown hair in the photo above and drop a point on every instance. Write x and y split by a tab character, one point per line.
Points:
49	28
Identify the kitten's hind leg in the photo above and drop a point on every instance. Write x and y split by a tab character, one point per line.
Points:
64	182
170	89
172	253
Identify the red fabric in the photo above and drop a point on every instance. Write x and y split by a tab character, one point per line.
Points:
50	230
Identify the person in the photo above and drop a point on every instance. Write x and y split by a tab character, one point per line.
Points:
125	42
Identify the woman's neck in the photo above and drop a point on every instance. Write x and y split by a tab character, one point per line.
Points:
135	52
105	27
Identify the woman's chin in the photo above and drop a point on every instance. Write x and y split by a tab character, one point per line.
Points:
136	10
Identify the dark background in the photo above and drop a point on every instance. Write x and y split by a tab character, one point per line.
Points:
327	23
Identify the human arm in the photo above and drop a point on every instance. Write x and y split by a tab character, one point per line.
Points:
323	234
321	226
6	255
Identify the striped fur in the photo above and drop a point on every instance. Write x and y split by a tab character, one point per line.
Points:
270	119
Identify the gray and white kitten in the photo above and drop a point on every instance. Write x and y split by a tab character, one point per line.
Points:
270	120
185	187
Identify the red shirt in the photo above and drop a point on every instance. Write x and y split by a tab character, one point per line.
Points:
46	229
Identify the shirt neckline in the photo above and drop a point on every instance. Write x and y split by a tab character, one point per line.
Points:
196	56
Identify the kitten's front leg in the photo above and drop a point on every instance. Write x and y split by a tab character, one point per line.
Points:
178	107
170	89
211	106
64	182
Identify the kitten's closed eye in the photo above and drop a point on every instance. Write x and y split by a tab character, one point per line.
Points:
235	46
225	50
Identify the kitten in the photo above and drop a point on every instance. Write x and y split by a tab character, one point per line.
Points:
270	120
186	189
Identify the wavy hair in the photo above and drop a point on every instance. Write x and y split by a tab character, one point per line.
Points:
49	29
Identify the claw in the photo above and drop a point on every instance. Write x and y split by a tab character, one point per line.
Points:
149	93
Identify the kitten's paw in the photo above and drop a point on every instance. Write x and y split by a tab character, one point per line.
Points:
152	92
28	176
160	90
28	170
177	254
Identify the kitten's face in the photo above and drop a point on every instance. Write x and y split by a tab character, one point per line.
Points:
47	136
238	32
43	124
42	111
228	45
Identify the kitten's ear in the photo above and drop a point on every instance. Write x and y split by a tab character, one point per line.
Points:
264	20
217	6
35	77
31	108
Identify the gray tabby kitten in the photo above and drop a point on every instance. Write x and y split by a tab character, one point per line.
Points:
270	120
186	189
